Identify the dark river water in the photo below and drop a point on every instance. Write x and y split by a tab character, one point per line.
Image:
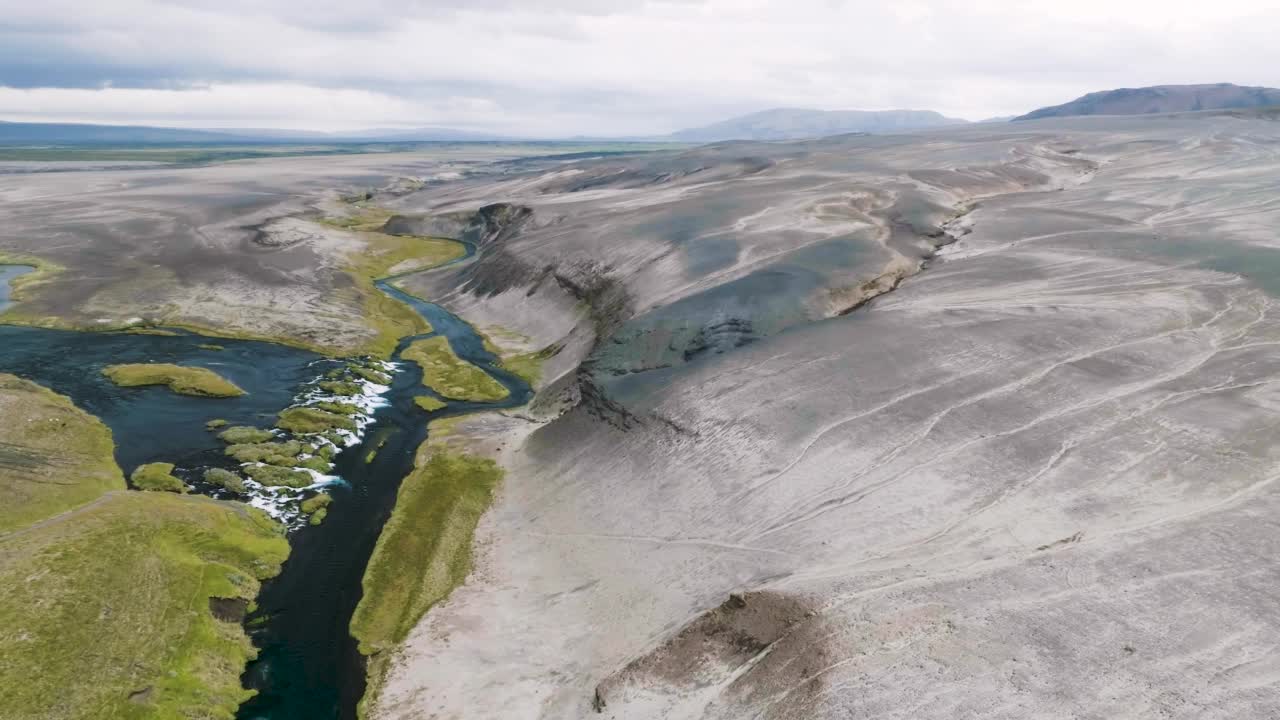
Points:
308	667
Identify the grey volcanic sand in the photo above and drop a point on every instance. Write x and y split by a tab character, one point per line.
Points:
1036	480
180	245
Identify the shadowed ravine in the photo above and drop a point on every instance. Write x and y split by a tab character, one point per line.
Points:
309	666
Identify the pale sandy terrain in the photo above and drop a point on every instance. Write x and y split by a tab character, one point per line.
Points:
1037	480
229	248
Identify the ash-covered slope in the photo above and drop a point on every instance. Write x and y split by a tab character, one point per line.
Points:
1035	480
1162	99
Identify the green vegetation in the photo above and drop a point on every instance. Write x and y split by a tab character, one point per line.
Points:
424	551
225	479
301	420
283	453
116	604
428	403
20	288
244	435
275	476
215	424
198	382
370	374
210	346
317	506
391	318
148	330
53	455
157	477
111	614
341	387
449	375
338	408
529	365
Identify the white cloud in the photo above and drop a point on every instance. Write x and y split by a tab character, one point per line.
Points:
604	66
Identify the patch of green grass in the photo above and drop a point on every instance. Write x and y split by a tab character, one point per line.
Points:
23	287
194	381
245	435
148	330
449	375
316	462
275	476
338	408
107	614
391	318
368	373
53	455
157	477
529	365
341	387
215	424
428	403
283	453
301	420
225	479
316	502
424	551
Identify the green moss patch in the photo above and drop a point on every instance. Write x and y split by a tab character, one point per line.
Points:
53	455
428	403
225	479
313	420
110	613
157	477
370	374
283	453
245	435
449	375
338	408
194	381
275	476
425	548
342	387
215	424
316	502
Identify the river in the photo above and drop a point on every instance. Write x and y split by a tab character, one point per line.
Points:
308	667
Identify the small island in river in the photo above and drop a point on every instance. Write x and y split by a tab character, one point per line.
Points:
194	381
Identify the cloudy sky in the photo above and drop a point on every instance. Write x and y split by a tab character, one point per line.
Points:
600	67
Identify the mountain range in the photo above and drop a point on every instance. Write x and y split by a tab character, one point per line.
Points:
1161	99
799	123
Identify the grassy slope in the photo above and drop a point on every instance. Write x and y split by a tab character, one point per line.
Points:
115	601
53	456
424	551
449	375
194	381
112	597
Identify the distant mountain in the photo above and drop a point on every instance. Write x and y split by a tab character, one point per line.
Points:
794	124
12	133
1161	99
428	134
20	133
